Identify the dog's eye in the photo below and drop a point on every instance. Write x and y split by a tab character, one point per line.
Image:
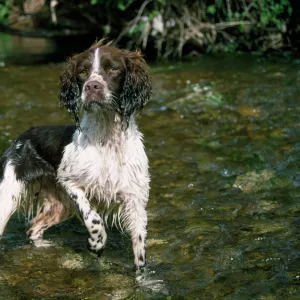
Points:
83	73
112	69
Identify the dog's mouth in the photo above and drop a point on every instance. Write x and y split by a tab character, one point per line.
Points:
90	96
94	99
93	105
96	105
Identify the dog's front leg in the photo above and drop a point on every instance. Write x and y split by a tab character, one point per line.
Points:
136	222
91	219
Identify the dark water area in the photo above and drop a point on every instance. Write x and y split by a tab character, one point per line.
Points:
222	136
20	50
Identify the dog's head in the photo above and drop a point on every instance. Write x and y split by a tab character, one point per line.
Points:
105	78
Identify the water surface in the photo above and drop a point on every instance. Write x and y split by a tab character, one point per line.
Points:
222	136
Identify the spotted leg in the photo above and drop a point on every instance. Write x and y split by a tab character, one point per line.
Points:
136	219
92	221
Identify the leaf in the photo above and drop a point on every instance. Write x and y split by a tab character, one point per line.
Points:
121	6
212	9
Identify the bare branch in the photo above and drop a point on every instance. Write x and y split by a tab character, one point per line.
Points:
224	25
133	22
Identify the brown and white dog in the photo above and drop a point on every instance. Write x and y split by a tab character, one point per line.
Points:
97	168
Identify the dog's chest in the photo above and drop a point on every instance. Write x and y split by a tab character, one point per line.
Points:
105	170
99	165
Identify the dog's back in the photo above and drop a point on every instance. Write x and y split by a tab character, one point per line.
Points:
28	176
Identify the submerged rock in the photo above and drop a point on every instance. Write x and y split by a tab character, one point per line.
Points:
253	181
71	261
257	181
197	94
118	286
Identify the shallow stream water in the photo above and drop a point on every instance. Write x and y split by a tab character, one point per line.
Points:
222	136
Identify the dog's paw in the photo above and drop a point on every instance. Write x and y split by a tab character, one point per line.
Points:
140	269
93	250
41	243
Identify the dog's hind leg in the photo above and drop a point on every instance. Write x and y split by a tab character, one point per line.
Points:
51	212
11	190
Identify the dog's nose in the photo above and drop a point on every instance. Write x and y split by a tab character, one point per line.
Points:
92	85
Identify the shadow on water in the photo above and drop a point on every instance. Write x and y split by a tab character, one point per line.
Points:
34	50
222	136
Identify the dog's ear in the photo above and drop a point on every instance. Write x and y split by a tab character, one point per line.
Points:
137	85
69	91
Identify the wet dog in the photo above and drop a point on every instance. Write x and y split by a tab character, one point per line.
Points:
97	167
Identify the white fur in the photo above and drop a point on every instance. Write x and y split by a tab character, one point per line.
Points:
96	62
10	192
108	163
95	76
18	145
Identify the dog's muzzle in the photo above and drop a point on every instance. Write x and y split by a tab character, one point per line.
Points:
94	91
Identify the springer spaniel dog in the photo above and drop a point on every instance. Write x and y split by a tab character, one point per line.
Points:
97	168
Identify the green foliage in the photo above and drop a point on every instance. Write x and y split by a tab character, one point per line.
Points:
272	11
267	12
119	4
230	47
4	11
212	26
255	18
137	30
212	9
